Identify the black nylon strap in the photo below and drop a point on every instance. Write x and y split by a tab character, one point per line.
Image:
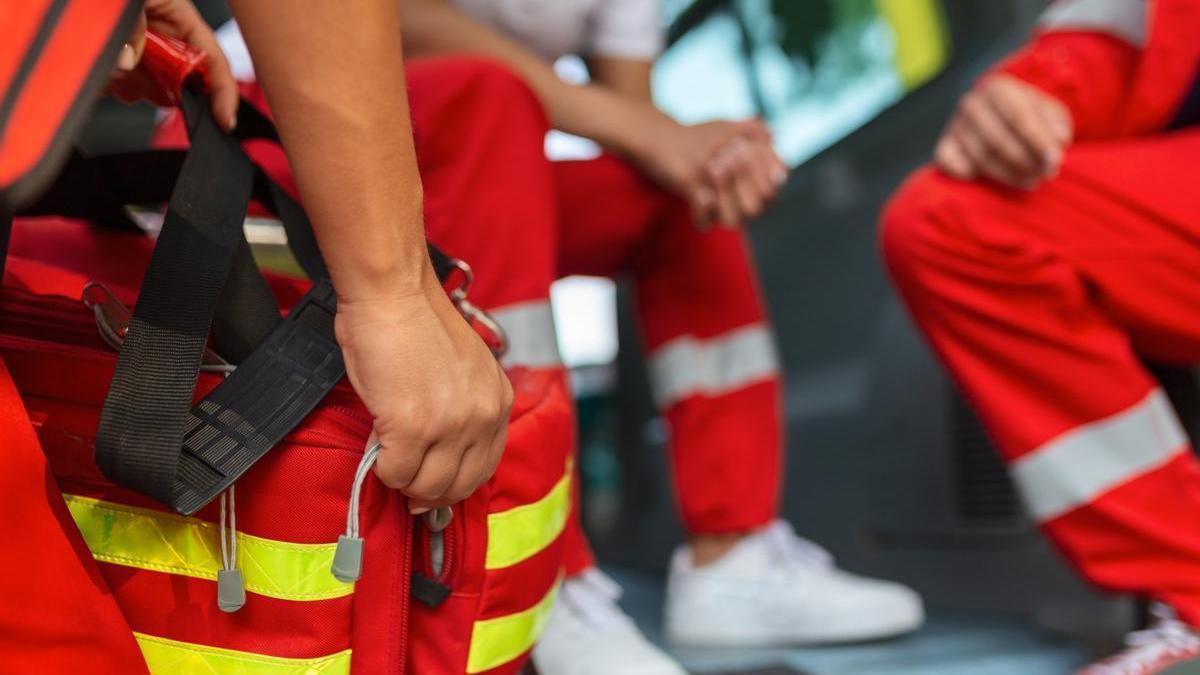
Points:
149	439
142	423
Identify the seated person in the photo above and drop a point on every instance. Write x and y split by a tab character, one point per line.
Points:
1052	246
663	204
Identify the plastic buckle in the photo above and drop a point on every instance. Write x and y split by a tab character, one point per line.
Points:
259	403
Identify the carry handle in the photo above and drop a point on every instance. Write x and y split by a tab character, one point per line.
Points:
171	65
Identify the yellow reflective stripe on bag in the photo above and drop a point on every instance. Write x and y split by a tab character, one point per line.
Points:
171	657
165	542
524	531
495	642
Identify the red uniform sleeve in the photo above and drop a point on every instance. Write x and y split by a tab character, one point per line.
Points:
1090	72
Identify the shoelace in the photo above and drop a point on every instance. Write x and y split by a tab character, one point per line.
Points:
791	547
1167	636
348	557
593	596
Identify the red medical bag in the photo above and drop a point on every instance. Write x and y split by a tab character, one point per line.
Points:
223	532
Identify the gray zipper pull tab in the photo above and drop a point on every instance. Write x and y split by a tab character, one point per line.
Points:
231	587
347	559
348	556
231	590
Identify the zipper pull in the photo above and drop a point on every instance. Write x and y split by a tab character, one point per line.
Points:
231	587
348	556
112	316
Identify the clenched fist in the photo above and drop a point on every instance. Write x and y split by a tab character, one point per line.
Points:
1007	131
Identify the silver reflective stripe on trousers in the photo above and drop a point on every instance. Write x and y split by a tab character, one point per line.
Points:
1126	19
532	342
1080	465
688	366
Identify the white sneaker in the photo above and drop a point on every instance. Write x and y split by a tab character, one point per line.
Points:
588	634
1167	646
776	589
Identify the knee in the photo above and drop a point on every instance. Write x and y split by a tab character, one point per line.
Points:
913	228
485	84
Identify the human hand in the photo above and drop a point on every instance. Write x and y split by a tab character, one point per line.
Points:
180	20
439	399
1007	131
727	171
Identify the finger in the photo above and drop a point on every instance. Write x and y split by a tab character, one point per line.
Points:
1058	116
725	202
131	52
749	199
723	173
759	165
439	467
1035	130
470	475
702	202
398	461
495	452
738	165
221	83
755	129
988	165
780	170
979	115
772	170
950	157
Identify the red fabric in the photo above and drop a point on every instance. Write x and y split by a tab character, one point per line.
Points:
117	258
58	615
488	193
67	408
1111	87
1042	305
82	31
689	283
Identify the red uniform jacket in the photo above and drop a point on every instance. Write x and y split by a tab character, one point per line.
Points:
1123	67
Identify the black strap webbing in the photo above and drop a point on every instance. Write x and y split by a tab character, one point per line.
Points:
143	422
202	276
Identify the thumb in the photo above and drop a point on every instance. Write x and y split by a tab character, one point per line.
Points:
131	52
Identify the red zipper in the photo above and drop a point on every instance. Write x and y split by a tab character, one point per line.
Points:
449	546
406	577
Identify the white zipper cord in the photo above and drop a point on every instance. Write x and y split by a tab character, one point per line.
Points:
348	557
231	588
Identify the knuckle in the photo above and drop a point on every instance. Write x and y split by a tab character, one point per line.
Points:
394	474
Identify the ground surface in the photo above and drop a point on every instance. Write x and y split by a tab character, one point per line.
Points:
952	643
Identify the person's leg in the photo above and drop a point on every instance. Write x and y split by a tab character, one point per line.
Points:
708	343
489	201
744	578
1040	304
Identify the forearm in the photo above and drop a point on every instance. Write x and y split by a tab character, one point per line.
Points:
334	77
618	122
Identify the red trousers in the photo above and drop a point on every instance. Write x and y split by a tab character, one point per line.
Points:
521	221
708	345
1042	306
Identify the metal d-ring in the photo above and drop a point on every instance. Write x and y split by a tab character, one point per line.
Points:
471	312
